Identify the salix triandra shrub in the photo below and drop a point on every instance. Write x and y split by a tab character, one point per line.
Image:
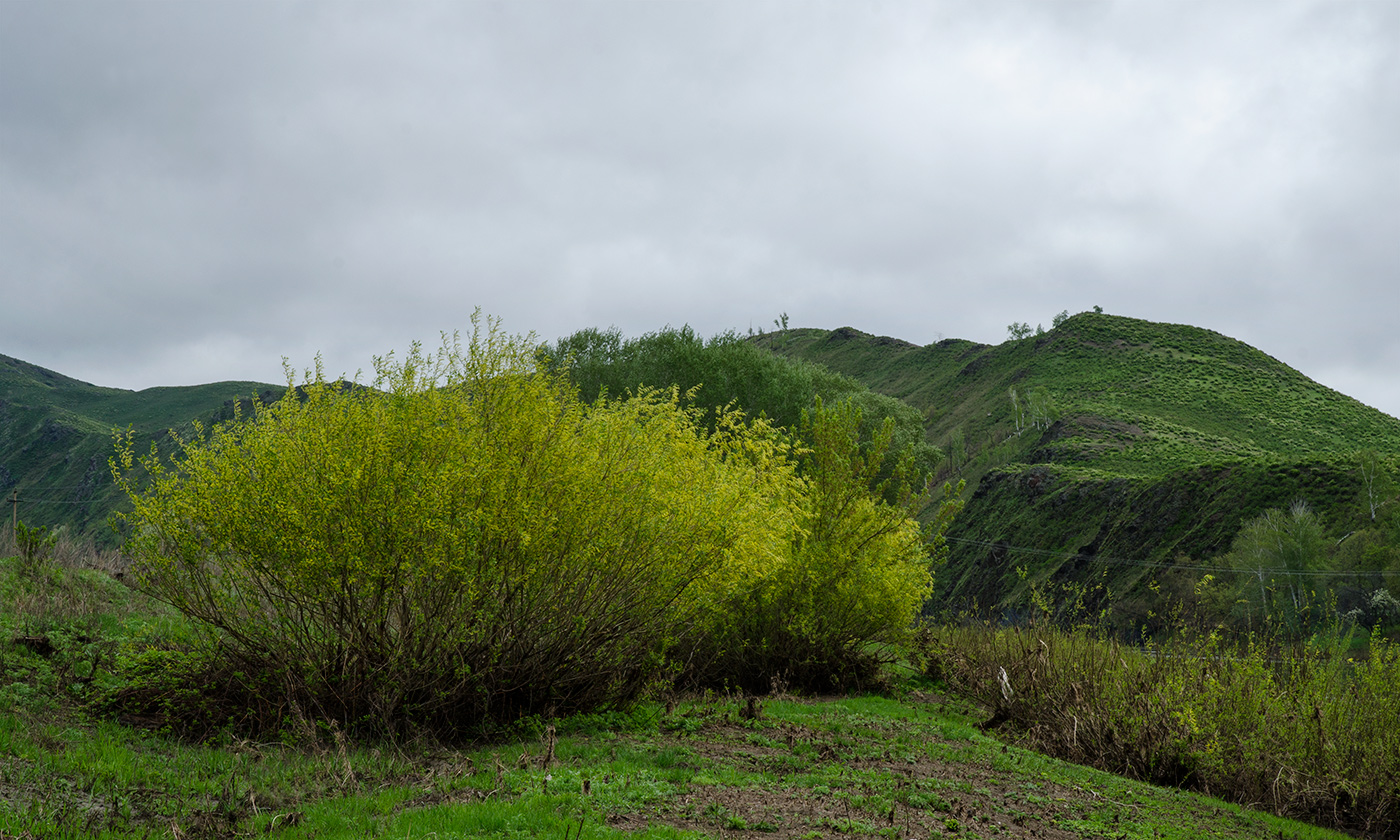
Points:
826	609
461	541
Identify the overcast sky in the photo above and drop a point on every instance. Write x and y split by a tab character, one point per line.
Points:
190	191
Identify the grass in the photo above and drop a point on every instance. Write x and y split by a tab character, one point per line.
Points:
1137	397
862	766
912	764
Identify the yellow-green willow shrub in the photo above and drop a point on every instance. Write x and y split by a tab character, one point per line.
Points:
824	609
461	541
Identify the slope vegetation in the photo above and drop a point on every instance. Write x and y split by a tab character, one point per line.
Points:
56	436
1111	448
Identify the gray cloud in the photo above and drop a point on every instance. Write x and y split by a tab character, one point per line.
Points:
189	192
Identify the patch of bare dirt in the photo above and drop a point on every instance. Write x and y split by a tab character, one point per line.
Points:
867	793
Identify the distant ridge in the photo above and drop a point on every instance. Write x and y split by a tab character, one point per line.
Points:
18	372
56	437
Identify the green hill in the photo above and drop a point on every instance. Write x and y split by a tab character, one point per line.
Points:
1129	456
1141	449
56	436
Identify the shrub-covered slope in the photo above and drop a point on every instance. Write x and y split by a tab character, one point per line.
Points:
727	369
1140	445
56	436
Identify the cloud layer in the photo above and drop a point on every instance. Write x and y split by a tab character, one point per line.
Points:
190	192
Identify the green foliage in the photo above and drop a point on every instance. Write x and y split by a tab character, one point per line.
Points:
1367	550
1274	553
842	596
957	449
61	628
731	370
35	546
1378	487
1377	609
466	540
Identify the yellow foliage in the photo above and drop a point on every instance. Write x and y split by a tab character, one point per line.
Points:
465	538
462	537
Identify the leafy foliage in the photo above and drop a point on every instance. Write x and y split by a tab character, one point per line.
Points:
34	545
728	369
465	540
1275	551
844	595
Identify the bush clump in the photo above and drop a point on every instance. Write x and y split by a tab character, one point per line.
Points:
730	368
840	598
464	541
1304	730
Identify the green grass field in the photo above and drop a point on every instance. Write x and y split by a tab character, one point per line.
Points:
907	766
910	763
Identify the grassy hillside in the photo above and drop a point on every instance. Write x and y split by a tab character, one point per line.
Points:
56	436
1153	443
1134	397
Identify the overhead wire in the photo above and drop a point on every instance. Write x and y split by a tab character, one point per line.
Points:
1123	561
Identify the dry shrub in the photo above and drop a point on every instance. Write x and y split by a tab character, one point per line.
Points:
1303	731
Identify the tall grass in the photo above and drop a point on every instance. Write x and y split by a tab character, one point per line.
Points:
1302	730
51	583
63	551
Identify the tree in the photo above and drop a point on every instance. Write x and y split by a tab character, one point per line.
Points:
1018	330
465	540
726	369
957	448
1277	550
1376	483
1038	410
1018	413
1042	408
1061	318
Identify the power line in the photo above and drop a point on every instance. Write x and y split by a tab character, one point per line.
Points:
1122	561
68	489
